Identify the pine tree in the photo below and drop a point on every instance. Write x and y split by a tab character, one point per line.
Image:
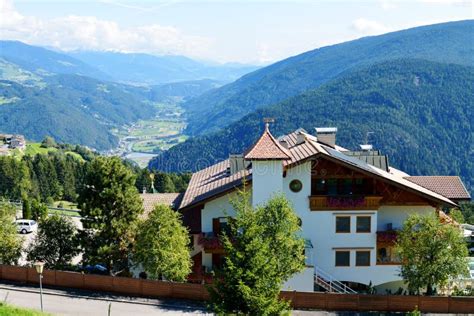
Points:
164	183
26	209
110	206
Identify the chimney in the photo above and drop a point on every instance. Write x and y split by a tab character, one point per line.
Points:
237	163
366	147
326	135
284	143
300	138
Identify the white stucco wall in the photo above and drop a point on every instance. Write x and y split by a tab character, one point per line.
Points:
301	282
219	207
397	214
266	180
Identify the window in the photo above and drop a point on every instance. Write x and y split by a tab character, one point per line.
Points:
363	224
318	187
343	258
343	224
296	185
220	225
362	258
342	186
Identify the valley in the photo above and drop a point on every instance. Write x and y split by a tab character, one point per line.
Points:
144	139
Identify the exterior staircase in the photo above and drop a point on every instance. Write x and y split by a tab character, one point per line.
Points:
329	283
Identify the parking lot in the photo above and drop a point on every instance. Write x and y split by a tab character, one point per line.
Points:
28	239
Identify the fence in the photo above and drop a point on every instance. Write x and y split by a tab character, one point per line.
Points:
316	300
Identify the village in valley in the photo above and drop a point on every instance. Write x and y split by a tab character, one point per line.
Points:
267	166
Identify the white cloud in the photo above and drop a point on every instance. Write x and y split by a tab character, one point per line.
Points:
369	27
387	4
448	2
90	33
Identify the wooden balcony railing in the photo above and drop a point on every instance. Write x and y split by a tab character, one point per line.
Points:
324	202
211	243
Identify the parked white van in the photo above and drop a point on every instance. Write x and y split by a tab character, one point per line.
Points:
26	226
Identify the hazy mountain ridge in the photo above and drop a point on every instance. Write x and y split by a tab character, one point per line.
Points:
152	70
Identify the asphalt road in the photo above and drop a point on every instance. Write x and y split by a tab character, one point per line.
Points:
59	302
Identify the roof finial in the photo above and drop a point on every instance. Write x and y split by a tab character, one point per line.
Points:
267	121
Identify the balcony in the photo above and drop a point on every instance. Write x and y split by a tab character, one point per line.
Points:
211	243
344	202
386	254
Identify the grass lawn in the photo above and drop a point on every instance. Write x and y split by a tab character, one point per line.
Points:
35	148
8	310
66	213
65	204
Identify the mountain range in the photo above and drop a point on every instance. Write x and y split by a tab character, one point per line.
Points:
447	42
413	89
152	70
50	93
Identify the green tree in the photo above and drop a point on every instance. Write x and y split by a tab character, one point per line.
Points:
430	252
39	211
49	142
164	183
144	180
110	206
162	245
467	210
10	242
26	209
14	178
254	269
56	242
457	215
46	176
281	226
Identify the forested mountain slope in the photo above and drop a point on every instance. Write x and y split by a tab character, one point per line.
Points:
421	114
71	108
448	42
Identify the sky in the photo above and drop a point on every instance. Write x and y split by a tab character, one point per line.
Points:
252	32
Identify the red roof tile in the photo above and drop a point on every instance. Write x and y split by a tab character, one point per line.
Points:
448	186
267	148
150	200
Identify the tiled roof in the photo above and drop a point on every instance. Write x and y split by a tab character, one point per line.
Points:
448	186
212	181
216	180
267	148
150	200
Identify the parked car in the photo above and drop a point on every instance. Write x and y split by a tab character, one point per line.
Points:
96	269
26	226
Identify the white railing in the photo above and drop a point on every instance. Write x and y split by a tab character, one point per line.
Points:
329	283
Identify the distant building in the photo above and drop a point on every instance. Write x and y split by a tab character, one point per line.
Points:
351	205
17	141
12	141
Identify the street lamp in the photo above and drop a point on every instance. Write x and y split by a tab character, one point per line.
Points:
39	269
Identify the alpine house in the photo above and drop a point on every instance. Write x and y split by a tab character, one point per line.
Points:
351	204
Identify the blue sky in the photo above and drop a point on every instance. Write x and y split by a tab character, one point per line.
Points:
223	31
